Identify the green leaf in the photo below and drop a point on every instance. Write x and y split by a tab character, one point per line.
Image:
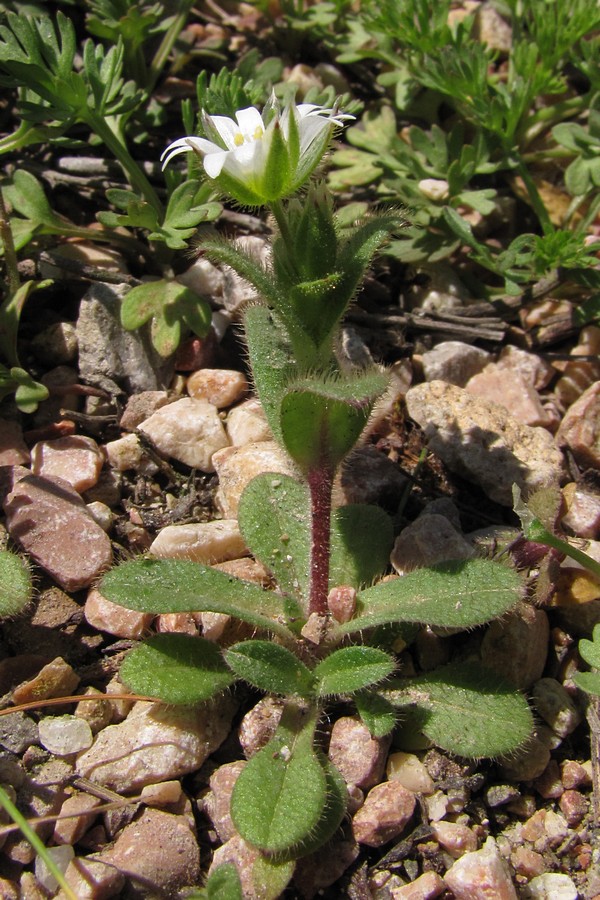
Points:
167	303
332	816
269	667
270	877
590	650
377	713
362	537
177	668
588	682
177	585
16	589
466	709
223	883
280	795
454	594
351	669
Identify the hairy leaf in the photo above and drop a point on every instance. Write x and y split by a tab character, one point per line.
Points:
351	669
15	584
269	667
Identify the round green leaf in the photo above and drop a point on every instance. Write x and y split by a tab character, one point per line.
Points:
176	668
352	669
269	667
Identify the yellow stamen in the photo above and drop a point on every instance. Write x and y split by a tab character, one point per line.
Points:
238	139
258	133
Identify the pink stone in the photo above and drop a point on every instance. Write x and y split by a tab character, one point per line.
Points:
76	459
221	387
13	449
56	679
527	862
426	887
574	807
140	407
107	616
72	828
48	519
457	839
217	802
182	623
356	753
386	811
508	388
481	875
573	774
580	428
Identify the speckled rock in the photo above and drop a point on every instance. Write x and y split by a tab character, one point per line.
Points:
507	387
92	879
583	511
259	725
156	743
369	476
426	887
237	466
202	542
189	431
481	875
387	809
140	407
48	519
455	838
554	704
76	459
482	442
127	453
217	801
157	853
221	387
78	812
356	753
531	367
56	679
551	886
580	428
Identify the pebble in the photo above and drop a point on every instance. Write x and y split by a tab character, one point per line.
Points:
157	853
156	743
8	889
101	514
13	449
76	459
56	679
573	774
187	430
78	812
499	794
107	616
63	735
216	803
583	511
97	712
482	442
481	875
221	387
427	886
140	407
92	879
56	345
247	424
428	540
237	466
359	756
574	807
387	809
17	732
58	381
321	869
165	793
549	785
550	886
127	453
505	386
580	374
546	830
492	29
48	519
516	647
527	862
237	292
111	357
259	725
61	857
555	706
527	762
369	476
204	278
454	838
202	542
453	362
580	428
243	857
532	368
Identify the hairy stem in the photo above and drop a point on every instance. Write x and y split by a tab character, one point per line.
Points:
320	483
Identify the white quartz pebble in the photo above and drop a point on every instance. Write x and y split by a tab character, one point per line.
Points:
63	735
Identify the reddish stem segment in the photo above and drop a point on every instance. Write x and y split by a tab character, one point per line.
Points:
320	483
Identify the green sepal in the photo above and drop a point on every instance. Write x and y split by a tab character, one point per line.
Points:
465	709
177	585
269	667
454	594
352	669
176	668
321	422
280	795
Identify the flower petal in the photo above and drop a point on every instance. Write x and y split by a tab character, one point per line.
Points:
184	145
214	162
250	122
227	129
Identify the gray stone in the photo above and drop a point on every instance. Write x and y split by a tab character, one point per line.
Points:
17	732
482	442
516	646
454	362
111	357
555	706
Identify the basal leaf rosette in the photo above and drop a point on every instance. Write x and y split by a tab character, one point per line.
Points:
260	158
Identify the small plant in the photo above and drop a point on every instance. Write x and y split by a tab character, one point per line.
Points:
325	633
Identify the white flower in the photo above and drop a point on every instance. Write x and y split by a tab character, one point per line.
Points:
261	158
